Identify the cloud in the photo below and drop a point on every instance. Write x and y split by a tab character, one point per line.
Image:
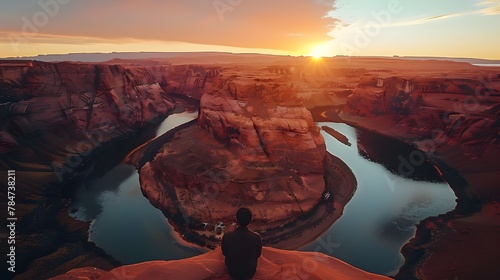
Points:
439	17
429	19
238	23
493	9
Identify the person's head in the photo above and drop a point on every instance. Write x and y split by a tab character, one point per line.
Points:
243	216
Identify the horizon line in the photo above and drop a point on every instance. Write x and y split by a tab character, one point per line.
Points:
238	53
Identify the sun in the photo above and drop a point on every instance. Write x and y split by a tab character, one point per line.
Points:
316	57
319	52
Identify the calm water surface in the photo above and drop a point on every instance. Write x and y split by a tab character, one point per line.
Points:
123	222
381	216
487	65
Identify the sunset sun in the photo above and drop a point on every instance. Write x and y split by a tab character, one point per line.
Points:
317	57
319	51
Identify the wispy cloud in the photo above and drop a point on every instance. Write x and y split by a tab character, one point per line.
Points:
20	37
424	20
492	9
489	7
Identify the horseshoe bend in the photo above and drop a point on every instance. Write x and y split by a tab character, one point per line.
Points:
245	150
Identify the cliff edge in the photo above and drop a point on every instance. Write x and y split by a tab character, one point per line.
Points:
273	264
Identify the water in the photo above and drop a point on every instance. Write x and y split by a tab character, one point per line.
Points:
381	216
123	222
487	65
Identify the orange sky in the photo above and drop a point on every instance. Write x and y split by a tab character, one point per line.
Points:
286	26
296	27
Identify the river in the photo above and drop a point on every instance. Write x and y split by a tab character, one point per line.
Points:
123	222
378	220
381	216
487	65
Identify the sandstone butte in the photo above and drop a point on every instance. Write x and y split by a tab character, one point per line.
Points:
244	152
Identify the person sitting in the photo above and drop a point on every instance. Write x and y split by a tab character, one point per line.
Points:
242	247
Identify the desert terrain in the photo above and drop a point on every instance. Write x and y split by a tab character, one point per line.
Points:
255	143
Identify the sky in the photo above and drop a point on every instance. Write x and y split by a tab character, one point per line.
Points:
444	28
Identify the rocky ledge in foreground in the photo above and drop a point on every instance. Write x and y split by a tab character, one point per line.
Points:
254	146
273	264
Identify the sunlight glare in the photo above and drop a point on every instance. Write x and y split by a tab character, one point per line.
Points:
320	51
316	57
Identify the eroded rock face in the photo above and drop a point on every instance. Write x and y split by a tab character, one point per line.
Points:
263	137
441	109
242	153
68	110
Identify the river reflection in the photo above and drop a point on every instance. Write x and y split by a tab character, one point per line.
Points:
380	217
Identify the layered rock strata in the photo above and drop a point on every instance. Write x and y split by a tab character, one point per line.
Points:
56	114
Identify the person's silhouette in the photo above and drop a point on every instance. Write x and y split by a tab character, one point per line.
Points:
242	247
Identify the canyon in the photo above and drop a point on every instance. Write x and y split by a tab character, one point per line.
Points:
255	143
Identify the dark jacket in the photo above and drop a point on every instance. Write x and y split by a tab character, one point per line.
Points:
242	248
